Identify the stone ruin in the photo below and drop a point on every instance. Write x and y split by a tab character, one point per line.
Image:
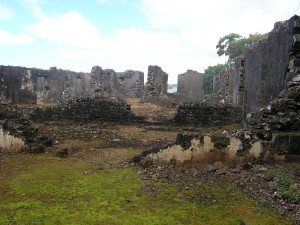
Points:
265	87
157	87
86	110
190	86
31	85
203	115
157	82
108	82
262	89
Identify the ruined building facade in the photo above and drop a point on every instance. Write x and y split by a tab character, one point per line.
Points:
108	82
190	86
157	82
31	85
258	78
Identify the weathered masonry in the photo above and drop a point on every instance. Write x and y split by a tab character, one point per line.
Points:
157	82
31	85
190	86
108	82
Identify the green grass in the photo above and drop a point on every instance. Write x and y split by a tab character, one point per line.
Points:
68	192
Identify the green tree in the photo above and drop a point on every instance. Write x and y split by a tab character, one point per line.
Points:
225	43
234	45
208	76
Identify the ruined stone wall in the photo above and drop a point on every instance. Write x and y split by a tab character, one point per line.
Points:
223	85
101	81
266	66
124	84
17	84
57	84
130	83
190	86
157	81
87	109
207	115
222	150
30	85
238	82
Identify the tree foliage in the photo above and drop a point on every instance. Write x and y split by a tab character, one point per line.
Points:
231	45
234	45
208	76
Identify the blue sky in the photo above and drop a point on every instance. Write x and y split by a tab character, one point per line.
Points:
129	34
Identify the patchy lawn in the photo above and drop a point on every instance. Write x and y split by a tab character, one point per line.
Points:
69	191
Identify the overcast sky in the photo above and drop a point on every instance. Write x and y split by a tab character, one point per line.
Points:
129	34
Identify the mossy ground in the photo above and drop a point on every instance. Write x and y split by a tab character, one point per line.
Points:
68	191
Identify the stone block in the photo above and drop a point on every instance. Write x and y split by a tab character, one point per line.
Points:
286	143
294	63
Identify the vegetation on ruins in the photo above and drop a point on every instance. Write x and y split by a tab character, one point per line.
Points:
208	76
232	45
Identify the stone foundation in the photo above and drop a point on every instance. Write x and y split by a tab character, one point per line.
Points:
189	113
87	109
206	148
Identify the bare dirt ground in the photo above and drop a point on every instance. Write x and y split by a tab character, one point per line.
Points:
110	145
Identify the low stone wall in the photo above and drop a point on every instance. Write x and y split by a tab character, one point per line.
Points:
188	113
87	109
18	129
279	122
206	148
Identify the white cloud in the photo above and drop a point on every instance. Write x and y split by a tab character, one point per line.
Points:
183	34
34	6
7	38
201	21
6	13
70	29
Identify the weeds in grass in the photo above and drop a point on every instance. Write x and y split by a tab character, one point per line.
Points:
285	187
269	176
72	192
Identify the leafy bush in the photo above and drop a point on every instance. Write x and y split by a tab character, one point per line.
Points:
286	189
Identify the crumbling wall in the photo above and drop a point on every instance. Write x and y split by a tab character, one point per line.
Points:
101	81
190	86
266	65
238	92
87	109
16	126
198	114
130	83
30	85
223	85
205	148
278	122
17	84
57	84
124	84
157	82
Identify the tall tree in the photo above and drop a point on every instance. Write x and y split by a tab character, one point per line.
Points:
225	43
234	45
